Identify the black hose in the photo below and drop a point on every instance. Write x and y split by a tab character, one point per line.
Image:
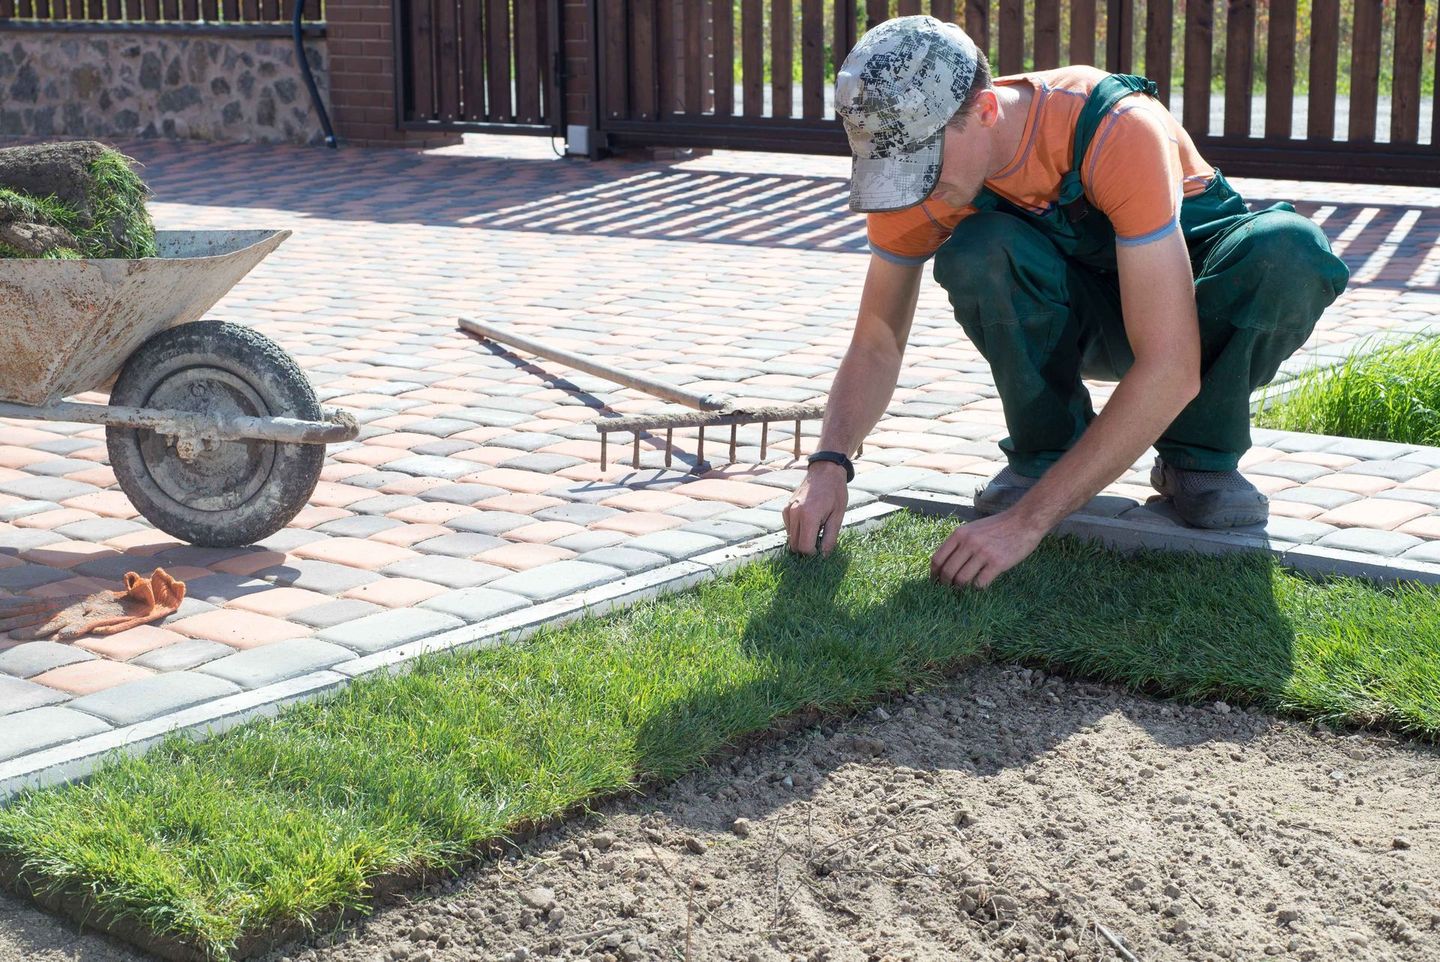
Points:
309	77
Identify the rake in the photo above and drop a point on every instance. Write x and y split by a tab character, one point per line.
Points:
707	410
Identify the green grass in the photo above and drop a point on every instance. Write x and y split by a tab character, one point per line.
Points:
1392	394
284	819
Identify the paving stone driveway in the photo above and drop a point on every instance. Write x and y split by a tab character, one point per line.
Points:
475	489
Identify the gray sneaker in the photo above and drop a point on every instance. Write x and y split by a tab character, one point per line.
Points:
1002	492
1211	499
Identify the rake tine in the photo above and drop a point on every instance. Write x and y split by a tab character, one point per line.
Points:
700	448
604	446
860	451
797	440
669	445
635	458
764	439
733	429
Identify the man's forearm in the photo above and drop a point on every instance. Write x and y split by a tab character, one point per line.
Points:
1142	406
859	394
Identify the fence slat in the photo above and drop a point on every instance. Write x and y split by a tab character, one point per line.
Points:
1365	70
250	10
1435	100
497	50
528	57
171	7
1120	36
1160	44
812	59
752	56
1239	66
644	101
1409	50
230	10
782	59
724	31
1324	65
447	59
694	58
1280	69
943	10
617	65
7	8
422	67
671	52
1199	41
1047	34
846	15
909	8
210	10
1012	36
877	12
977	23
1082	31
472	52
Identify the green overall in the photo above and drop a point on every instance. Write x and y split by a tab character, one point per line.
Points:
1039	296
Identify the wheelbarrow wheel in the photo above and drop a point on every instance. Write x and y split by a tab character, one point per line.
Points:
230	492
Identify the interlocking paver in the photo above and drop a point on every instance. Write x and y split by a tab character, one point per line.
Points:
476	604
389	628
627	559
237	628
127	644
321	576
1386	544
85	677
675	544
33	658
441	570
182	656
153	696
19	695
1374	513
40	728
257	667
555	580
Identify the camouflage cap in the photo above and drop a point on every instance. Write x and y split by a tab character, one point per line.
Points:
895	92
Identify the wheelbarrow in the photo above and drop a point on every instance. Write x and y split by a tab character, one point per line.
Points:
213	431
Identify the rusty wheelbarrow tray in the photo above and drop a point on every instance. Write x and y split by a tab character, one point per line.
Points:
213	431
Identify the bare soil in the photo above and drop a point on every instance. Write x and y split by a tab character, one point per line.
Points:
1008	815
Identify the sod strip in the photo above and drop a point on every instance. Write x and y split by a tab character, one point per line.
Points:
284	821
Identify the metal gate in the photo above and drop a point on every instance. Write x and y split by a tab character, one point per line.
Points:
669	73
479	65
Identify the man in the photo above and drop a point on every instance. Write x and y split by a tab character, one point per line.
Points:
1079	234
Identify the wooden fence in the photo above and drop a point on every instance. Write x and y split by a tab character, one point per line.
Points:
759	73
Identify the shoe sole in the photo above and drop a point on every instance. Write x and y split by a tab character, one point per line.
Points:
1233	518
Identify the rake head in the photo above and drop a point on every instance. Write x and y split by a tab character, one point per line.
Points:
645	423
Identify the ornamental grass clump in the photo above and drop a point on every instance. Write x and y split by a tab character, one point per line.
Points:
1390	395
72	200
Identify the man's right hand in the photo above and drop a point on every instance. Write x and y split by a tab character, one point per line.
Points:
817	506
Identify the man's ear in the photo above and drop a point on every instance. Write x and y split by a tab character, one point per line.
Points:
987	108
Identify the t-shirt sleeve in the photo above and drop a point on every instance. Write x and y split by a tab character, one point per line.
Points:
912	235
1134	176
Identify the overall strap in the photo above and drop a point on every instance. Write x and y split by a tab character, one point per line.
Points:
1103	98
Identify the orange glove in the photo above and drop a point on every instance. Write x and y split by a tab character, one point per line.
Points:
104	613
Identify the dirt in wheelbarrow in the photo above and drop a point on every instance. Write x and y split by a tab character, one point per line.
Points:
1008	815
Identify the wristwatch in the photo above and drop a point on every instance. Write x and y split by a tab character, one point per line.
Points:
835	457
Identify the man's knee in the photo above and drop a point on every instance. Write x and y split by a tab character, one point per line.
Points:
1278	275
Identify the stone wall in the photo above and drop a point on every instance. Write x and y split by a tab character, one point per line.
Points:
202	85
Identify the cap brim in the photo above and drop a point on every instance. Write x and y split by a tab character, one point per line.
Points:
894	183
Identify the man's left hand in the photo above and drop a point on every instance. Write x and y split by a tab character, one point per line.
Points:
979	552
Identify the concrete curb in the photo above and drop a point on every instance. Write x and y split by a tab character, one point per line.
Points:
1129	536
77	759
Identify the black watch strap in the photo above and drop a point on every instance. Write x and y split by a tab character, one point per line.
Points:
835	457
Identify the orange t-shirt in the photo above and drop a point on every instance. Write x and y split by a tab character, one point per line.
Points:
1139	165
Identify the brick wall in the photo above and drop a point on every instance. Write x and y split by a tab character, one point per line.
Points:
362	77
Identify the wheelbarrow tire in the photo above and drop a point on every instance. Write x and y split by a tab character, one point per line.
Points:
237	492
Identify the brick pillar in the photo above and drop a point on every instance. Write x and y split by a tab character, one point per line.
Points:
359	36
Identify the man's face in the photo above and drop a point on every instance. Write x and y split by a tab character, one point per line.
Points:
965	164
